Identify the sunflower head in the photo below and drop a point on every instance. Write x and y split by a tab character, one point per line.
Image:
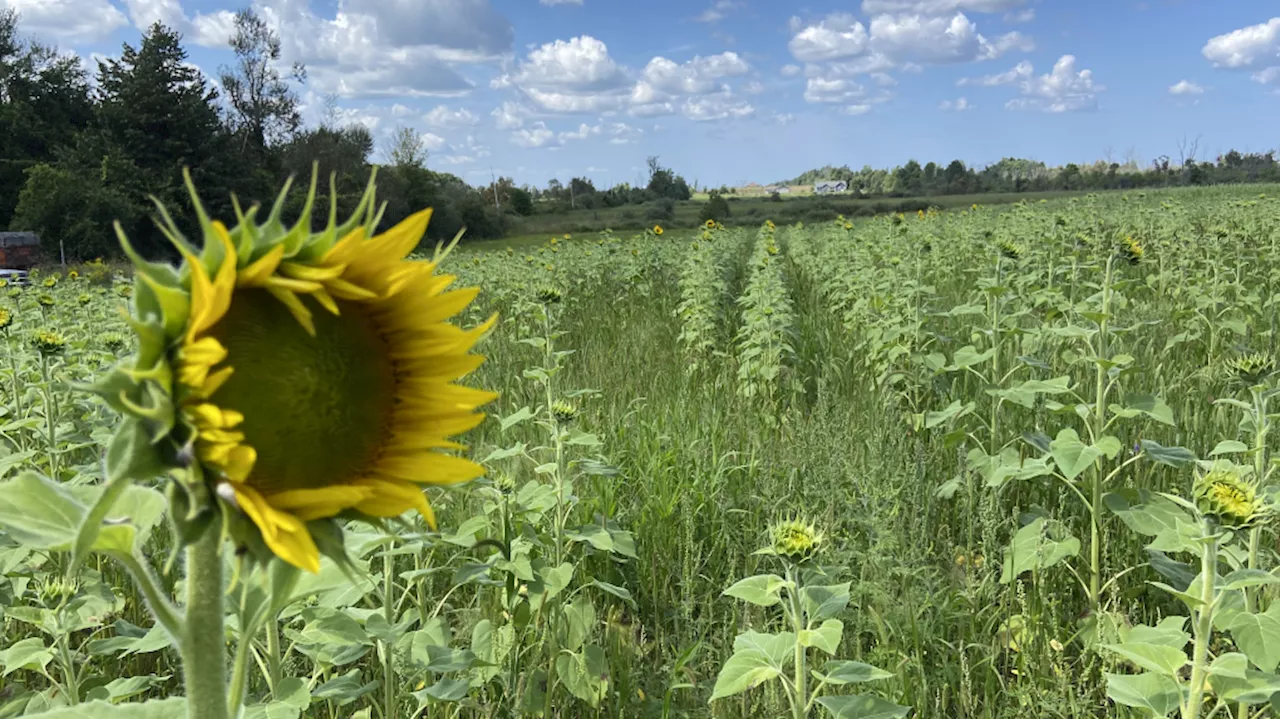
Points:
6	318
1250	370
84	299
50	281
15	293
125	291
795	540
1229	499
46	300
563	411
73	275
1009	249
549	295
291	378
657	229
710	224
4	283
1130	250
48	342
114	341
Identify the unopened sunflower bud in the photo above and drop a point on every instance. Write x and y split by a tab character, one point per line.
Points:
1230	500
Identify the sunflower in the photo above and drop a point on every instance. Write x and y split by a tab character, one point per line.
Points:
657	229
711	224
311	376
1229	499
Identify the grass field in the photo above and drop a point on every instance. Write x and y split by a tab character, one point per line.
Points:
967	439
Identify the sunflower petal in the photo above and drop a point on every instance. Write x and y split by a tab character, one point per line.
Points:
284	534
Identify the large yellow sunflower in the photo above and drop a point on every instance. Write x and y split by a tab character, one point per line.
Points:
314	372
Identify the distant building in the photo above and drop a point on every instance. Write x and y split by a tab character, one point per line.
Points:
19	250
823	187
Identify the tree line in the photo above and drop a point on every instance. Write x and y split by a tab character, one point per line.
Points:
1011	175
81	149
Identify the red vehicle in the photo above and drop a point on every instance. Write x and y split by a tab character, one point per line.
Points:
19	250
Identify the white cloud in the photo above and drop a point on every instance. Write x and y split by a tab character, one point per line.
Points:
717	12
1268	76
457	159
906	40
1063	90
790	70
832	91
433	142
1249	47
1022	16
884	79
583	132
572	76
938	7
537	135
836	37
442	117
652	109
620	133
509	116
720	106
1185	87
959	105
70	20
1021	71
861	109
782	118
208	29
695	77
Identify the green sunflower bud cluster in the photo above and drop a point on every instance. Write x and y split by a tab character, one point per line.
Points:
1251	369
84	299
504	482
114	341
795	540
50	281
549	295
46	300
48	342
563	411
1230	500
1009	249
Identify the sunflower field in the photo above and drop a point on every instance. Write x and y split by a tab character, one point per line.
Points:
986	463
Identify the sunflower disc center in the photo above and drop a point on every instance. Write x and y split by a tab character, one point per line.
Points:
315	408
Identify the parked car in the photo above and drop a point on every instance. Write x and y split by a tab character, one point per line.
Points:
14	277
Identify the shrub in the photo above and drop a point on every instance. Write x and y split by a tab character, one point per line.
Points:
717	208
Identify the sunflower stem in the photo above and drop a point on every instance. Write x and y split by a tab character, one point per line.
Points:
1204	624
50	414
388	656
204	661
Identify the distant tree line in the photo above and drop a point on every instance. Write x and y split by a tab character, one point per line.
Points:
1012	175
76	155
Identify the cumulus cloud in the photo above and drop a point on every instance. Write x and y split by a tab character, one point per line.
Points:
860	109
722	106
836	37
1064	89
68	20
791	70
695	77
571	76
537	135
717	12
907	40
1021	71
445	118
1249	47
509	116
958	105
832	91
1185	87
938	7
208	29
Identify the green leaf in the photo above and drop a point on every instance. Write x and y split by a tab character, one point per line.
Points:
154	709
865	706
1229	446
1254	687
1169	632
27	654
1071	455
949	413
1152	657
1258	636
1157	693
294	692
38	512
968	356
1232	664
619	592
825	637
1152	406
1039	545
516	418
824	601
1243	578
274	710
585	675
761	590
1152	515
841	671
1172	456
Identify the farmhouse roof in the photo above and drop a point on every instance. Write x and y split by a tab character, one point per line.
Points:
19	239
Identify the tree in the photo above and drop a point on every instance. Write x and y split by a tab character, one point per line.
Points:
406	149
717	208
74	211
264	108
158	112
521	201
665	183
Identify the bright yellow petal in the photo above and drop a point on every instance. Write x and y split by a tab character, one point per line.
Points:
284	534
257	273
427	468
392	499
299	310
309	504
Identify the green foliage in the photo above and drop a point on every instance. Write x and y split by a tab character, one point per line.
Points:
716	209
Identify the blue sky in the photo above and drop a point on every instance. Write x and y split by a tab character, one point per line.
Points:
730	91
